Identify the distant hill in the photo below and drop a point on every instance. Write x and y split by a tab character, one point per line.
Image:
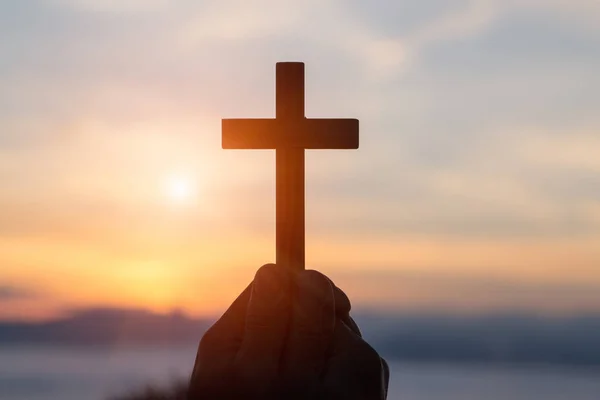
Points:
113	327
519	339
428	338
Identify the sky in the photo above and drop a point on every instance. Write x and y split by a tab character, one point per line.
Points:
476	187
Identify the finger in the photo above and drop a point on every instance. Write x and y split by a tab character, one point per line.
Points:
342	302
355	370
311	330
342	309
350	323
219	345
265	327
222	340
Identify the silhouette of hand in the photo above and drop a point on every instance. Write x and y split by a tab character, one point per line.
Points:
289	335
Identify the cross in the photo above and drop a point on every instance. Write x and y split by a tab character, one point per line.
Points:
290	133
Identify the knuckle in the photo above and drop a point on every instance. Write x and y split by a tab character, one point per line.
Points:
314	278
316	284
266	271
342	302
271	281
352	325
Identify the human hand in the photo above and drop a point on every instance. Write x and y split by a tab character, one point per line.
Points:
289	335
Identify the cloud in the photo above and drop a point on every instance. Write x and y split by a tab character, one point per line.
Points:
469	20
424	290
437	145
395	35
112	6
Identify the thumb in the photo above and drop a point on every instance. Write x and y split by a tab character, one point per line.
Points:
218	347
265	328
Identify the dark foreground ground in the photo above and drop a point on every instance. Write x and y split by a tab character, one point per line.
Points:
177	391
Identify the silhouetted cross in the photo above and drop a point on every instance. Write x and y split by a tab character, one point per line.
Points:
289	134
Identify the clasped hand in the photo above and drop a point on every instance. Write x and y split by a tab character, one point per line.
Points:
289	335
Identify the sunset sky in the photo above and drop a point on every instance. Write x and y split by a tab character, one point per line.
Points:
476	186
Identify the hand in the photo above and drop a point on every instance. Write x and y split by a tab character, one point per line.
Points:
289	335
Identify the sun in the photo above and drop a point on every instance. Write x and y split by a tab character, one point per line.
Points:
180	188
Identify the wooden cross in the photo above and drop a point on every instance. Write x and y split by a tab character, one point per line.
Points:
290	133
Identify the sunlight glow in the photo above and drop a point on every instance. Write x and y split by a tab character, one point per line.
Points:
180	188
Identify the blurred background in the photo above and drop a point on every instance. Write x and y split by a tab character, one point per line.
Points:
465	230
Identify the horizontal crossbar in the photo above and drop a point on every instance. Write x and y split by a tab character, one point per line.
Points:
303	133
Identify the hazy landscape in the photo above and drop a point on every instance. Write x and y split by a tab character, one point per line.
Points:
97	353
498	339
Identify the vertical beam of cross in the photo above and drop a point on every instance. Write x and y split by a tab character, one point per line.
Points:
290	133
289	169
